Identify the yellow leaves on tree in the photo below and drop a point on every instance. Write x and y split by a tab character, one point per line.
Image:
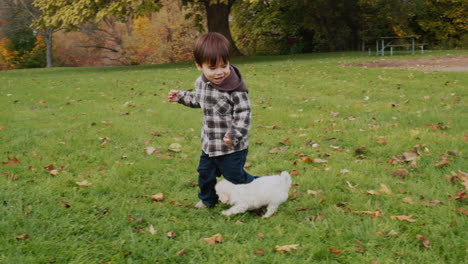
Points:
164	37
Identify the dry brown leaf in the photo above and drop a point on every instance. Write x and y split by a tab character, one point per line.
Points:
424	240
401	173
84	183
286	248
152	231
359	246
259	252
432	203
407	218
319	161
66	204
408	200
23	236
11	161
181	252
335	251
462	211
375	214
385	189
171	234
218	238
295	173
261	235
157	197
150	150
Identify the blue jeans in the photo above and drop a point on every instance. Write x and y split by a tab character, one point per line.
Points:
231	166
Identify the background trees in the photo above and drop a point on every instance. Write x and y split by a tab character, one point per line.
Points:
153	31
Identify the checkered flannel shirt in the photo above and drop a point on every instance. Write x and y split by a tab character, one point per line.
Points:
224	114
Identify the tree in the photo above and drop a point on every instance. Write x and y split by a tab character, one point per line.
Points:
23	12
72	14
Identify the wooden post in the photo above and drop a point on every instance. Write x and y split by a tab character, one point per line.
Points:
383	47
377	47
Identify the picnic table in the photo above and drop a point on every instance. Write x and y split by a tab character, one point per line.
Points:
388	42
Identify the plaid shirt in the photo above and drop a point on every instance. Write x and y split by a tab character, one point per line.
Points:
224	114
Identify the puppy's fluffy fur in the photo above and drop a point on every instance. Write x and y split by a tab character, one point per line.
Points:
269	191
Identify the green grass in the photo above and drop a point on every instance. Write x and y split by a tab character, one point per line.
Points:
57	116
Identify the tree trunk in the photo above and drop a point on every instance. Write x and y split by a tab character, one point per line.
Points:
48	40
218	21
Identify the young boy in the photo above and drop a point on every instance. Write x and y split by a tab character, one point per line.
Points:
222	95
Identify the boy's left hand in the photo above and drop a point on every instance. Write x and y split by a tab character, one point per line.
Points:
228	141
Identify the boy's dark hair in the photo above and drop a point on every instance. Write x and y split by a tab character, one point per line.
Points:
211	47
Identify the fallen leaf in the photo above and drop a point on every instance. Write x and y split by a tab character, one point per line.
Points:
295	173
315	193
23	236
261	235
359	246
171	234
400	173
157	197
335	251
150	150
385	189
84	183
414	132
175	147
320	161
432	203
152	231
181	252
462	211
218	238
11	161
375	214
424	240
461	195
286	248
66	204
407	218
317	218
443	161
259	252
351	186
408	200
2	128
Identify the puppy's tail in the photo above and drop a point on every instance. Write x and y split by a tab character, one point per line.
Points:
286	179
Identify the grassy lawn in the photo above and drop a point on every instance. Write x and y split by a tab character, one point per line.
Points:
76	178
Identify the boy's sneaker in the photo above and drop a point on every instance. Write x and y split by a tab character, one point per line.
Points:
200	205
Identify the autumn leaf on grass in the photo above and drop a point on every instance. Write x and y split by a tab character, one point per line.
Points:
150	150
335	251
359	246
156	197
84	183
218	238
259	252
181	252
286	248
443	160
66	204
175	147
407	218
424	240
375	214
152	231
11	161
23	236
171	234
462	211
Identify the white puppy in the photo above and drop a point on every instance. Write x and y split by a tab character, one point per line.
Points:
268	191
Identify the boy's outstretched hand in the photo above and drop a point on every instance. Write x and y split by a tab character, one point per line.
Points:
172	97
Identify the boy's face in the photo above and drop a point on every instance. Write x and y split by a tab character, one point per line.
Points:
215	73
